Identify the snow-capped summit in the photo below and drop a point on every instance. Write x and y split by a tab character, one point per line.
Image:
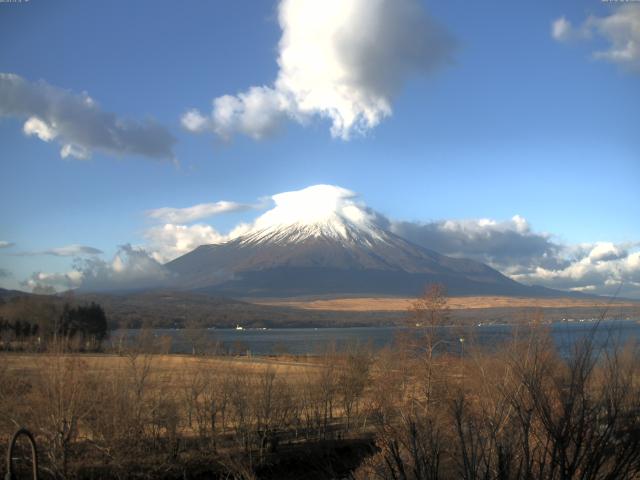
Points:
321	240
317	211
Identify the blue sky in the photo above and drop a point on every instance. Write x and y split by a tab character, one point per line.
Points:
509	119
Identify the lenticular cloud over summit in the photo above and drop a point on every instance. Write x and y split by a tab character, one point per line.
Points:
314	211
327	205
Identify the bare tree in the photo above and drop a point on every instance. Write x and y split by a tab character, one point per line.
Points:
352	380
64	401
431	310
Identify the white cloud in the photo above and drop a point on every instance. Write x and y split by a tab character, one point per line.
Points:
40	282
343	60
516	250
77	122
75	151
561	29
601	268
176	237
256	113
510	246
621	30
35	126
6	244
169	241
194	121
607	251
73	250
197	212
130	268
316	203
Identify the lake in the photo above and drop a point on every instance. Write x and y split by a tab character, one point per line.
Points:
302	341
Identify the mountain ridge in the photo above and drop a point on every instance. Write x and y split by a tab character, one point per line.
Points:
333	252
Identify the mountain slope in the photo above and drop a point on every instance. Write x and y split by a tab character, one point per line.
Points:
330	248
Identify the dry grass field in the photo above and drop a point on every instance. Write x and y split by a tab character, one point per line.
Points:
106	416
355	415
173	369
396	304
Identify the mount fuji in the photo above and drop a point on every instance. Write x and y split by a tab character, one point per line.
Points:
321	241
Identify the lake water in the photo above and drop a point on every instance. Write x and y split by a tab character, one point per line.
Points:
301	341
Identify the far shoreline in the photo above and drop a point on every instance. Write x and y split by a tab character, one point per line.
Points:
398	304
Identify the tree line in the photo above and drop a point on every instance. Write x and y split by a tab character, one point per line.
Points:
29	322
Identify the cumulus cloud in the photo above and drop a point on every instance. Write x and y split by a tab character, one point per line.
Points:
516	250
343	60
169	241
606	252
35	126
197	212
178	235
6	244
620	29
257	113
77	122
130	268
41	282
600	268
510	246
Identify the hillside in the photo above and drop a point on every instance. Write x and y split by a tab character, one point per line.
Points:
332	249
